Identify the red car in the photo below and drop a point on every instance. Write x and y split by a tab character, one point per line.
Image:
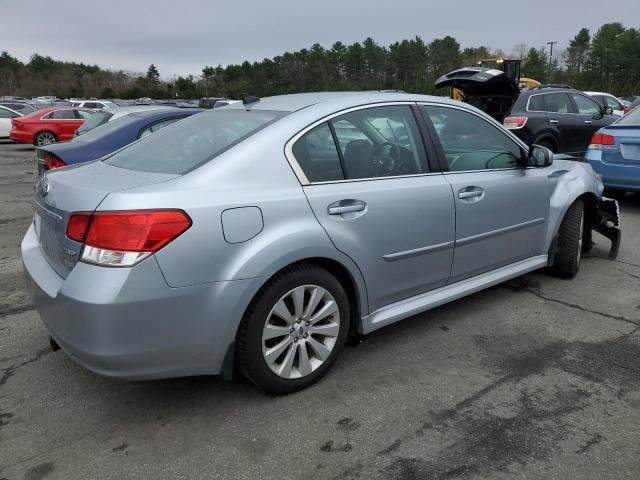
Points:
49	125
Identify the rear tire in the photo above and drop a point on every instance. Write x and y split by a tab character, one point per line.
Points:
282	355
44	138
570	235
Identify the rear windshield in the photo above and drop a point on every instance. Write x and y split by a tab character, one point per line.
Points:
94	120
631	118
189	143
106	128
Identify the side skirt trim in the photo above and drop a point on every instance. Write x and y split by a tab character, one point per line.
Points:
426	301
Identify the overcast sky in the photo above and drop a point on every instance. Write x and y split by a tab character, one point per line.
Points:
181	36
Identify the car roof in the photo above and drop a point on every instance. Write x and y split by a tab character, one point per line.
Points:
298	101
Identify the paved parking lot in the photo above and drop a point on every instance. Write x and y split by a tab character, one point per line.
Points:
538	378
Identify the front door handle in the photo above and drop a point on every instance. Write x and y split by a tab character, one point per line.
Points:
470	194
554	121
589	122
346	206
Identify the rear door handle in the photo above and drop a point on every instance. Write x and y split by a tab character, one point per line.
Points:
588	122
554	121
346	206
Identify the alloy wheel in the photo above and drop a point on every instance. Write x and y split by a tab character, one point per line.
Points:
45	139
301	331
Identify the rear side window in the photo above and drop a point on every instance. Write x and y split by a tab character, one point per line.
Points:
157	126
317	155
536	103
558	103
7	114
62	115
194	141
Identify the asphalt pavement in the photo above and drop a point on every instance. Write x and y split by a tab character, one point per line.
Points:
538	378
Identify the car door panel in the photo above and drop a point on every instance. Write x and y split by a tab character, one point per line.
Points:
506	223
402	236
502	208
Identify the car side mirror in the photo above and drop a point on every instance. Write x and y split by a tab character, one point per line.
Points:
608	110
539	156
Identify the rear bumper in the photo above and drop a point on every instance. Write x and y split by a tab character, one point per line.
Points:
615	175
128	323
21	136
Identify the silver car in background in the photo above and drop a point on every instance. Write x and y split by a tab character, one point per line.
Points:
259	236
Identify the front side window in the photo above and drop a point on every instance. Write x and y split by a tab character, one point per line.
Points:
472	143
380	142
193	142
612	102
585	105
558	103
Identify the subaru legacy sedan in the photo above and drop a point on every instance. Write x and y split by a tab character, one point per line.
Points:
258	237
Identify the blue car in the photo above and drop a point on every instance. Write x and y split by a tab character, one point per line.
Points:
614	153
108	138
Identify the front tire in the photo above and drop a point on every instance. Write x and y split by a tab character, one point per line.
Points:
294	329
570	235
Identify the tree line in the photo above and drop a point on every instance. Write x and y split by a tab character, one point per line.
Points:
607	60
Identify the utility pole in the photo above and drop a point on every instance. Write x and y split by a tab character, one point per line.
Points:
551	44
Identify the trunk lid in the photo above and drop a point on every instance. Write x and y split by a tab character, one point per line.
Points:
628	143
474	81
59	193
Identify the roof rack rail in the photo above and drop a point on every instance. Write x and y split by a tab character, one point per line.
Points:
552	85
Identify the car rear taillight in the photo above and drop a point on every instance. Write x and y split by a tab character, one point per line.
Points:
123	238
513	123
601	141
15	123
51	162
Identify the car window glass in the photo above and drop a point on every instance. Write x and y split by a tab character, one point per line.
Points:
536	103
83	114
558	103
613	103
380	142
472	143
317	155
193	141
157	126
63	115
7	113
585	105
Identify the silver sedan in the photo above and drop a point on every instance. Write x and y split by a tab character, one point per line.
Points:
258	237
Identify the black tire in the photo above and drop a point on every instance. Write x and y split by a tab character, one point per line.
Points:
38	141
566	262
250	358
547	144
614	193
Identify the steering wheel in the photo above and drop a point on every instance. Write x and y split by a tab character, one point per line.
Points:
386	163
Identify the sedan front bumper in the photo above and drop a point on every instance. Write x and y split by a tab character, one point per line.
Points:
607	223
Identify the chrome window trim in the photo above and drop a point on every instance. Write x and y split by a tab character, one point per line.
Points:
297	169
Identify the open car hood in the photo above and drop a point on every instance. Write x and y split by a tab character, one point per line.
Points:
473	81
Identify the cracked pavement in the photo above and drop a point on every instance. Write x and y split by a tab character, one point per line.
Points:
538	378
